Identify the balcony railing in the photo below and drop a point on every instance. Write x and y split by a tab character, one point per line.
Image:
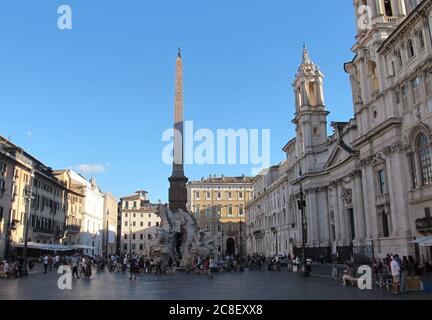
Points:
44	230
424	225
72	228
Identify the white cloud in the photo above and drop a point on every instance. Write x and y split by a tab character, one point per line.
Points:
90	168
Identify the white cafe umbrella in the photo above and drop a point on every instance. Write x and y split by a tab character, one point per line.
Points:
425	242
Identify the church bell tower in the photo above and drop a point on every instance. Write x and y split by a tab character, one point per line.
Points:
311	114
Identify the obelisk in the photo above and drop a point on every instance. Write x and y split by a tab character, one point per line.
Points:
178	180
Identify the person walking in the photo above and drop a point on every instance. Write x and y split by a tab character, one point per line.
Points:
159	266
75	263
132	268
395	271
45	263
212	265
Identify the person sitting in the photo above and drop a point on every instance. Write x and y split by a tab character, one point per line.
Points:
348	276
4	269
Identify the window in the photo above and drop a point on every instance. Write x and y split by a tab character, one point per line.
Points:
134	215
126	215
141	236
428	80
229	195
149	215
208	195
1	214
141	247
404	92
126	205
420	37
373	76
2	185
149	237
381	180
241	195
149	224
385	225
133	224
413	171
157	224
410	48
142	224
398	55
3	167
397	97
423	151
197	195
230	211
125	236
126	223
134	205
415	83
388	8
219	195
241	213
133	236
427	213
125	247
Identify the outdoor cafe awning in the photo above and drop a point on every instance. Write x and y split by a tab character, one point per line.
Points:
45	246
426	241
53	247
81	246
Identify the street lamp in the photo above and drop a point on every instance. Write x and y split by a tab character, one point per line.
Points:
302	206
26	227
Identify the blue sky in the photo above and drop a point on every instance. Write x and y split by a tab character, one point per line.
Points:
103	92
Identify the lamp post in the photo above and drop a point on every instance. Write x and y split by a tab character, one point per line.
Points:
106	235
302	206
26	227
130	235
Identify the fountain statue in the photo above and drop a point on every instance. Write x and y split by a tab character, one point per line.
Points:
180	239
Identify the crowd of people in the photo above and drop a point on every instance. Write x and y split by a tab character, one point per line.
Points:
392	269
390	272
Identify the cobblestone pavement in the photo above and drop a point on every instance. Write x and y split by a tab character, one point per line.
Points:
227	286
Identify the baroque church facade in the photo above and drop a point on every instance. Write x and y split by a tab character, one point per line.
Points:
367	187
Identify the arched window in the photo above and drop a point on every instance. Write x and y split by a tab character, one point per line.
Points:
373	75
410	47
423	151
299	97
312	94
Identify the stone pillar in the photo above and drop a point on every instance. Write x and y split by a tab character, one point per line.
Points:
400	190
336	211
361	235
393	195
369	200
324	222
312	212
355	202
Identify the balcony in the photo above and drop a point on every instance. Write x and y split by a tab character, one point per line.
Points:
72	228
424	225
44	230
